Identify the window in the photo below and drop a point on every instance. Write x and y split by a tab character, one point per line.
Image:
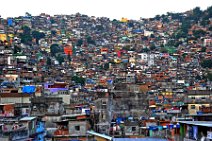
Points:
192	97
104	106
77	128
133	128
192	106
202	97
104	103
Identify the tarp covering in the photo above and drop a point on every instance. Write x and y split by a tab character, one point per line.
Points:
28	89
10	22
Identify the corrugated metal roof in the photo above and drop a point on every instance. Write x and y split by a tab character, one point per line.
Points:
99	135
138	139
199	123
27	118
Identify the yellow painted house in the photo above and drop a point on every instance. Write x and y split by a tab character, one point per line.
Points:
194	108
3	37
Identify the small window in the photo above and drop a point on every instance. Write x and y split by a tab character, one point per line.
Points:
77	128
133	128
192	97
192	106
202	97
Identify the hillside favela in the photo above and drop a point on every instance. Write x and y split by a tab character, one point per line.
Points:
84	78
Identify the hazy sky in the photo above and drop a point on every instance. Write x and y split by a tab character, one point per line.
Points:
132	9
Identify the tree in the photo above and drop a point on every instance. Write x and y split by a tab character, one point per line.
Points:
184	55
163	50
210	28
52	21
54	48
206	63
90	40
26	37
106	66
145	50
203	49
165	19
48	61
16	49
127	48
199	33
152	36
144	38
205	22
130	24
186	24
180	34
157	17
152	47
209	76
198	77
38	35
60	59
26	30
79	42
196	13
99	28
171	43
53	32
78	79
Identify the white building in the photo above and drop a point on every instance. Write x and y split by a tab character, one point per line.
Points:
146	58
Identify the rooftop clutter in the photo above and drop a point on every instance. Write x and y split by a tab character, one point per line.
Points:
122	78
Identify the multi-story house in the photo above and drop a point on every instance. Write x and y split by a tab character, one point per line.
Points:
196	99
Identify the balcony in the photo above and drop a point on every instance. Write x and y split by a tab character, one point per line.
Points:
30	75
206	109
199	92
197	101
27	80
16	134
173	111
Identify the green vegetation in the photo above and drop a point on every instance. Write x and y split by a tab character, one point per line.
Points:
55	48
26	37
152	47
60	59
145	50
16	49
163	50
199	33
48	61
209	76
106	66
90	40
38	35
206	63
54	33
78	79
79	42
203	49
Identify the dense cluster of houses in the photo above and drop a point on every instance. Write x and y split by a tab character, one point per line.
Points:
68	77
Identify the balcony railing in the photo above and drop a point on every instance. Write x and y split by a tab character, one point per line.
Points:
197	101
206	109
